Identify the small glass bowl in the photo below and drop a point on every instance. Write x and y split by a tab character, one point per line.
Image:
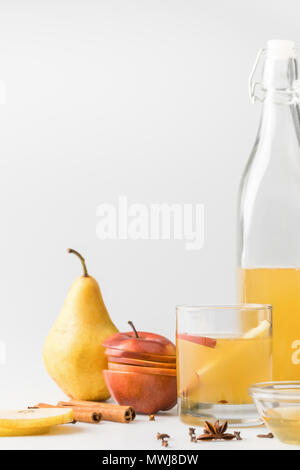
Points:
278	404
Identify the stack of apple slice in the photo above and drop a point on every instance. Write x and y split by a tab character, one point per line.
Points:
139	364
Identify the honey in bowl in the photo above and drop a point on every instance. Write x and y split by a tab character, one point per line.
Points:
284	422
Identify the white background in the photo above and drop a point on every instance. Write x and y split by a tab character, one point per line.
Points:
142	98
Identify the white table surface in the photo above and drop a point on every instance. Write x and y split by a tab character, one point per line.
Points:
140	434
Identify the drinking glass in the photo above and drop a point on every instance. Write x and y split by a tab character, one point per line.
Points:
221	351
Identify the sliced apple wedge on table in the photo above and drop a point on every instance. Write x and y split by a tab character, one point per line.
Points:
32	421
141	370
138	362
140	356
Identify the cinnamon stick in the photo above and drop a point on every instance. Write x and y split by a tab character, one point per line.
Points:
86	415
109	412
81	414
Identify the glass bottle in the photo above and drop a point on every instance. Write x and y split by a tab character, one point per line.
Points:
269	205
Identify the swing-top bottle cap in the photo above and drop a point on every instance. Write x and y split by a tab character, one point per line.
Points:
279	72
281	49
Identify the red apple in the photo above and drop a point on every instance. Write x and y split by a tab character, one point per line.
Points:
142	363
146	393
141	370
144	342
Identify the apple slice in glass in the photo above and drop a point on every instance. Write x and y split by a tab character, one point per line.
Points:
203	340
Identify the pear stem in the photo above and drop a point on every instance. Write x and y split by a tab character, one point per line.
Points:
85	273
134	330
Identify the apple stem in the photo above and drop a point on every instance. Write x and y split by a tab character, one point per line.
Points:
134	330
85	273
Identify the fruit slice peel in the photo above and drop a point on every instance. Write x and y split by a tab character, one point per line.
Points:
139	362
139	355
7	432
141	370
35	418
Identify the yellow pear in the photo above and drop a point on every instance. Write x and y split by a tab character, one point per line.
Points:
73	353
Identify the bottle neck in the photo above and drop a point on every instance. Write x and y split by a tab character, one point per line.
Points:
280	74
280	120
280	114
279	79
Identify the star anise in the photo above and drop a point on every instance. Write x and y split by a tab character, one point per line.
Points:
215	431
